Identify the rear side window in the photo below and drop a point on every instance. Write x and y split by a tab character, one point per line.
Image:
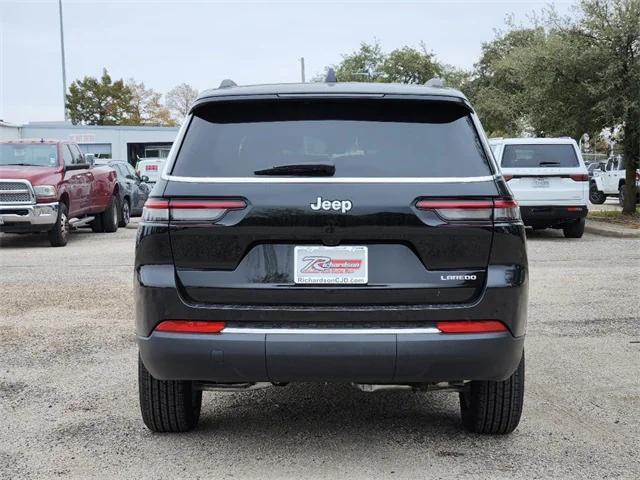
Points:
360	138
532	156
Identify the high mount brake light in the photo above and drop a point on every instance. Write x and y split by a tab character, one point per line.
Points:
460	210
161	210
471	326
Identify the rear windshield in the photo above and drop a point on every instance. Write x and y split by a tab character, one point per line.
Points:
545	156
358	138
40	155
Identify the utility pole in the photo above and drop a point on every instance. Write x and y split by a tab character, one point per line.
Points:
64	72
302	69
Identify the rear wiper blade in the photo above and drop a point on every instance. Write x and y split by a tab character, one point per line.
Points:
549	163
301	169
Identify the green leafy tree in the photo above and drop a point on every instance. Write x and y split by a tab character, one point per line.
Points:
402	65
101	101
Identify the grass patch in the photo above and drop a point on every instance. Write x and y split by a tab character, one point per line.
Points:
617	217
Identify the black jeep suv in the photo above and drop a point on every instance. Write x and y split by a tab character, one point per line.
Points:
331	232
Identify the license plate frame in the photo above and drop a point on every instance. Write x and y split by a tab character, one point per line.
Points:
321	265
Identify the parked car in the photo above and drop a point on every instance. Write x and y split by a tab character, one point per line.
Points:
549	180
47	186
611	182
151	168
132	192
331	232
595	168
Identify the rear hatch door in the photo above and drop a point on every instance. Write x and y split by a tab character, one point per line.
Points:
356	172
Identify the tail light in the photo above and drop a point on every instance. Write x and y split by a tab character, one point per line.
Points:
580	178
189	326
163	210
471	326
151	168
462	210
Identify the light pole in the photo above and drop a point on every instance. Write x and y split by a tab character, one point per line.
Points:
64	73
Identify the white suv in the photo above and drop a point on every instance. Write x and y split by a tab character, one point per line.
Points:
549	180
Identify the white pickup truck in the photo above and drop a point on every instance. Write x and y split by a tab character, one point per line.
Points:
610	182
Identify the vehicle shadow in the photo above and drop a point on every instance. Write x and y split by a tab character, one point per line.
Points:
287	418
32	240
548	234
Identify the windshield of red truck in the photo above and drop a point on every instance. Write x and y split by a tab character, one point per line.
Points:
30	155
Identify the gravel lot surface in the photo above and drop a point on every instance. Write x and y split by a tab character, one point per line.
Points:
68	388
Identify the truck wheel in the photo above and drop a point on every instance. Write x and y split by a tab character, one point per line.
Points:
125	214
59	234
494	407
96	225
168	405
621	195
111	216
596	196
575	229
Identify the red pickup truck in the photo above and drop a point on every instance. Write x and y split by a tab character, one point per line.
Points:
49	186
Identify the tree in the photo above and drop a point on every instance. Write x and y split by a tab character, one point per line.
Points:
611	30
180	98
99	102
567	76
402	65
147	108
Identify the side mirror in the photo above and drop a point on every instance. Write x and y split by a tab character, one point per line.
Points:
90	158
144	178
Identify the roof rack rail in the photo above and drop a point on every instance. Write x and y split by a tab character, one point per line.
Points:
227	83
435	82
331	76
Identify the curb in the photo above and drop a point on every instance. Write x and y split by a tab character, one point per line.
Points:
605	230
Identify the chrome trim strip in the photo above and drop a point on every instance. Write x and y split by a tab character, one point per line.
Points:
330	331
174	178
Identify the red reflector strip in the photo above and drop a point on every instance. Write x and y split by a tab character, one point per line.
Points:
201	204
574	209
151	167
471	326
189	326
442	204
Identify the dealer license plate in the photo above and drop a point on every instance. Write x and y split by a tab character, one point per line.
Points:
540	183
331	265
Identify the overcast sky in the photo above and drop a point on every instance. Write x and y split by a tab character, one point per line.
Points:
164	43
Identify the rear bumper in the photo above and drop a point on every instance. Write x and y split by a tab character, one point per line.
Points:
551	215
392	357
28	218
255	352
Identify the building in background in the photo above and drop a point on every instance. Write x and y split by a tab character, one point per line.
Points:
128	143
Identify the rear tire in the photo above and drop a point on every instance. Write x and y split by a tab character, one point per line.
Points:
596	196
111	216
494	407
96	225
575	229
59	234
125	214
168	406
